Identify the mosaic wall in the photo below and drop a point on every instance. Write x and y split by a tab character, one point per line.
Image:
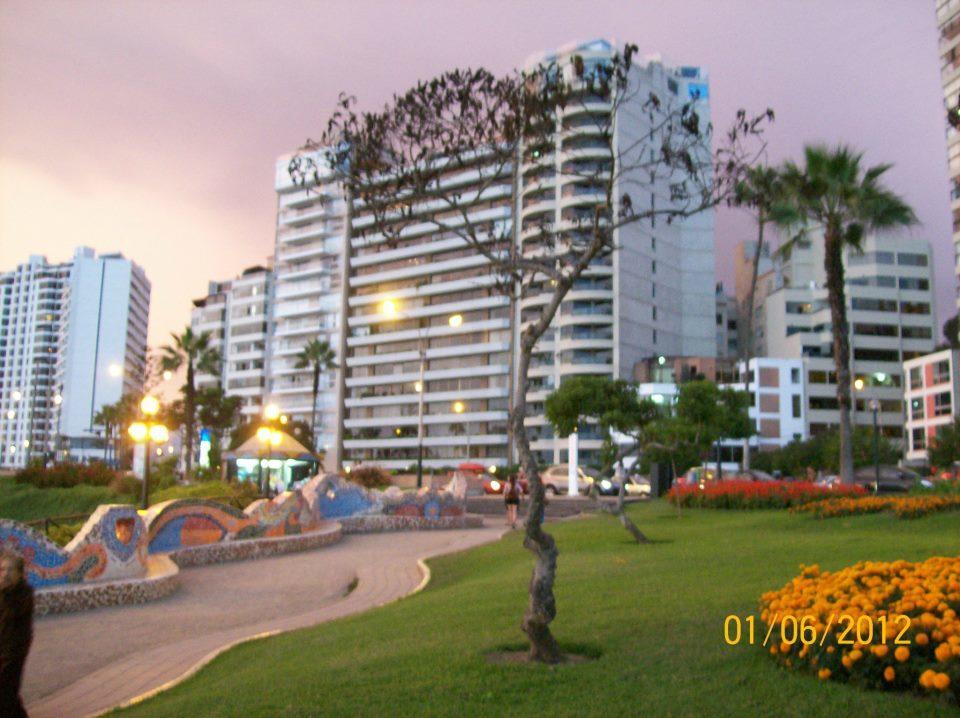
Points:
183	523
111	545
116	540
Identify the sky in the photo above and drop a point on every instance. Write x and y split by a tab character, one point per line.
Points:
154	128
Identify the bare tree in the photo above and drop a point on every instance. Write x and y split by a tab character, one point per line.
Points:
436	154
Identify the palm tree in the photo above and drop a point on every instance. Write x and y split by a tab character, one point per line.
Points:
759	191
194	351
834	195
108	417
319	356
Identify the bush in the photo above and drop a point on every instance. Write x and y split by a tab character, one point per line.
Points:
370	476
739	494
62	534
66	475
904	507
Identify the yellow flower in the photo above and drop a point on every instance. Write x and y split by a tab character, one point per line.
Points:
880	650
889	674
823	674
941	681
902	653
921	639
926	678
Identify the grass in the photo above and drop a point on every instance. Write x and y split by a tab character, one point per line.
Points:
24	502
654	613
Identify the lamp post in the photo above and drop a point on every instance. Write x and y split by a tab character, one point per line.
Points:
389	307
875	408
147	432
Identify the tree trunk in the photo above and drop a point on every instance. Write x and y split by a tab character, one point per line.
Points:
313	413
617	510
747	349
836	295
189	406
542	606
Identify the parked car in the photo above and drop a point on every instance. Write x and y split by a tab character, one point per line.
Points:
495	484
757	475
636	486
892	479
556	479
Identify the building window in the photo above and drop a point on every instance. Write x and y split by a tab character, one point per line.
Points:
941	404
653	266
797	410
654	336
911	260
653	244
916	408
653	289
941	372
919	439
795	375
916	378
654	313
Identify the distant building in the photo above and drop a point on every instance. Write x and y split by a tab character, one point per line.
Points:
890	310
948	19
73	339
236	314
728	324
931	392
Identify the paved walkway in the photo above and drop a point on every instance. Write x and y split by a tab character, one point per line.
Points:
84	663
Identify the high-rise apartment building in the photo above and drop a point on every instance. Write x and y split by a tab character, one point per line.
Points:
73	338
307	296
890	311
236	313
948	18
655	294
428	334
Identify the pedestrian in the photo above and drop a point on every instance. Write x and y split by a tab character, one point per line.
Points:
16	631
511	497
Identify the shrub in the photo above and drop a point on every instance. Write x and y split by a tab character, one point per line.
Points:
66	475
741	494
62	534
370	476
912	602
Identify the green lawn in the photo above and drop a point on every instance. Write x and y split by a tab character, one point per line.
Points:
24	502
654	612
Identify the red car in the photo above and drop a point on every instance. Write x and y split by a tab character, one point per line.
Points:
495	485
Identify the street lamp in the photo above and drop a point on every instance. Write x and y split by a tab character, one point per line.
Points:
391	308
147	432
271	412
875	408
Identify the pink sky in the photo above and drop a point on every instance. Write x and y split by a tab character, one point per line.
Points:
152	128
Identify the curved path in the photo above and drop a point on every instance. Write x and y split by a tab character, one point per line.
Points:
84	663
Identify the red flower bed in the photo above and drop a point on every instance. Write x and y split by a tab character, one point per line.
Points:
742	494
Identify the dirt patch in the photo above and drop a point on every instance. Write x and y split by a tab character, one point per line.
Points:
522	657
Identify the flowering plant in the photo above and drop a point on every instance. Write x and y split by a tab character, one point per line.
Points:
877	624
744	494
904	507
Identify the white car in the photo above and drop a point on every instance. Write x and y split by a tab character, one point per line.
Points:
636	486
556	479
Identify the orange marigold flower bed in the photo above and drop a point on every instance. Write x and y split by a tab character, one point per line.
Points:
742	494
887	625
904	507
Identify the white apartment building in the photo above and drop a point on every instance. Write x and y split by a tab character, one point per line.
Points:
778	399
73	338
307	297
423	315
931	393
655	294
236	314
948	19
890	311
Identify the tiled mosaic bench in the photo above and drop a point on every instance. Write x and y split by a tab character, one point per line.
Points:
162	579
379	523
256	548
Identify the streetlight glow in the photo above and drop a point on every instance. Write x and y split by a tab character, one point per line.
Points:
275	438
138	431
458	407
284	419
115	370
159	434
417	387
11	414
150	405
263	434
858	384
16	395
388	307
271	412
58	399
167	375
456	320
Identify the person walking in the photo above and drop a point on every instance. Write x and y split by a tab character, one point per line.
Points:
511	498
